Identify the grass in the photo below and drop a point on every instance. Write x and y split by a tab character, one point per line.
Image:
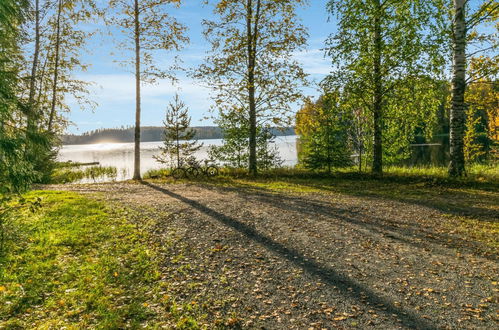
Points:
78	263
66	174
476	174
157	173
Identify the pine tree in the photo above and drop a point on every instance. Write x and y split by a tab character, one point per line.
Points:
179	139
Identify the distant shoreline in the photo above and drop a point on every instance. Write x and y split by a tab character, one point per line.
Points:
149	134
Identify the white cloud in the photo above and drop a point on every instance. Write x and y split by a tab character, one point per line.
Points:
313	61
121	87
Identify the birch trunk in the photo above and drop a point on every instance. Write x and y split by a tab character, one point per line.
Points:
56	68
378	95
34	71
458	107
252	39
136	174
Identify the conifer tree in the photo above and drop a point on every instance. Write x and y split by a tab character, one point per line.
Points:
324	132
16	173
179	139
235	151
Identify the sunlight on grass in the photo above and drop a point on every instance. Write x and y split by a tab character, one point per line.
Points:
76	174
78	263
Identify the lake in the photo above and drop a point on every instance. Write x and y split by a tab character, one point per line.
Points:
120	155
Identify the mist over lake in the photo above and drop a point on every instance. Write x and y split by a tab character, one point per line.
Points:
120	155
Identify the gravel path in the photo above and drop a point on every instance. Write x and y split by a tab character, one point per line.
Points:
254	259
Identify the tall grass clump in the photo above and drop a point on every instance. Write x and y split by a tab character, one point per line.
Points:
74	174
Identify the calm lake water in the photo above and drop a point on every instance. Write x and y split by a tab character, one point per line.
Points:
120	155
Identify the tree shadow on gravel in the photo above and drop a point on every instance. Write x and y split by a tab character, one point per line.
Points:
440	198
410	233
458	200
328	275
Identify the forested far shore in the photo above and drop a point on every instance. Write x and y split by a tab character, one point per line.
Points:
150	134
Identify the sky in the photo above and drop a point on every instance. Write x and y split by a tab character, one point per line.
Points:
114	88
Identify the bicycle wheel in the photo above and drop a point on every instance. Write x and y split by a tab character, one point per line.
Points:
211	171
178	173
192	172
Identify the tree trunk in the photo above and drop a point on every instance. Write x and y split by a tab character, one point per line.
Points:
252	35
56	67
360	160
136	174
378	95
41	77
34	69
177	133
329	145
458	107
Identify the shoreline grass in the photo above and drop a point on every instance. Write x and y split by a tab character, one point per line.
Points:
65	174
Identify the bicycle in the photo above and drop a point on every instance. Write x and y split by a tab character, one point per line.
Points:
195	169
181	171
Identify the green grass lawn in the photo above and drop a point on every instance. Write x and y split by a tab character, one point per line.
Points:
79	263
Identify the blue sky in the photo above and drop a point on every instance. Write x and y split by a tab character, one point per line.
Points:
114	89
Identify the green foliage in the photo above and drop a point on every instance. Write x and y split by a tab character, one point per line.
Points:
324	137
41	153
159	31
235	149
387	57
482	99
16	172
277	76
157	174
179	144
251	68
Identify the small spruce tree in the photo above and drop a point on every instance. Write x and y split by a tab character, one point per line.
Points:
179	139
326	140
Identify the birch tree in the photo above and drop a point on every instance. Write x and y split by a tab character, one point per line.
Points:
250	68
148	27
466	22
63	47
52	50
383	54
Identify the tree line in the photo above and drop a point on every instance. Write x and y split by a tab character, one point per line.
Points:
149	134
394	65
